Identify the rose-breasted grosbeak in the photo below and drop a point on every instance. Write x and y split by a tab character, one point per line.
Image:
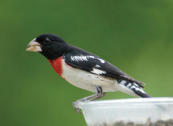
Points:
83	69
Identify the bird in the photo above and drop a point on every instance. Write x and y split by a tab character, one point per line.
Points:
85	70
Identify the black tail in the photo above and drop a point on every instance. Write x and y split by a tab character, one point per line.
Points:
132	88
142	94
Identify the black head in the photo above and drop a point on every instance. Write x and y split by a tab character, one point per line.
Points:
49	45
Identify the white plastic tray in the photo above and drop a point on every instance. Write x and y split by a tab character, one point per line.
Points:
137	110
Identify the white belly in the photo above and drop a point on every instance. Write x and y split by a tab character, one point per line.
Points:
86	80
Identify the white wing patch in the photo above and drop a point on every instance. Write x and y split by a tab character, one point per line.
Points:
81	58
101	60
85	58
97	66
97	71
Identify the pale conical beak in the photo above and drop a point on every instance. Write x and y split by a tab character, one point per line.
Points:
34	46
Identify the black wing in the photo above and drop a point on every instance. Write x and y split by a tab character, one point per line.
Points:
81	59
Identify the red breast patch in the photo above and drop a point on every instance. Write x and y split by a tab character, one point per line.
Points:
57	65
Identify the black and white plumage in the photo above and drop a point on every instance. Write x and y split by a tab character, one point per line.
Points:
103	70
83	69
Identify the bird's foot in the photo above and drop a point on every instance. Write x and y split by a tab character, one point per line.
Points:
93	97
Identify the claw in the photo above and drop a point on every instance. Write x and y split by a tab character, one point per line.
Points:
76	107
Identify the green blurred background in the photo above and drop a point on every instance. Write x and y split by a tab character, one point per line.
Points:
135	35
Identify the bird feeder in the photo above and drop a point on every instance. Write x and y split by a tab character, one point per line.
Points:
129	112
